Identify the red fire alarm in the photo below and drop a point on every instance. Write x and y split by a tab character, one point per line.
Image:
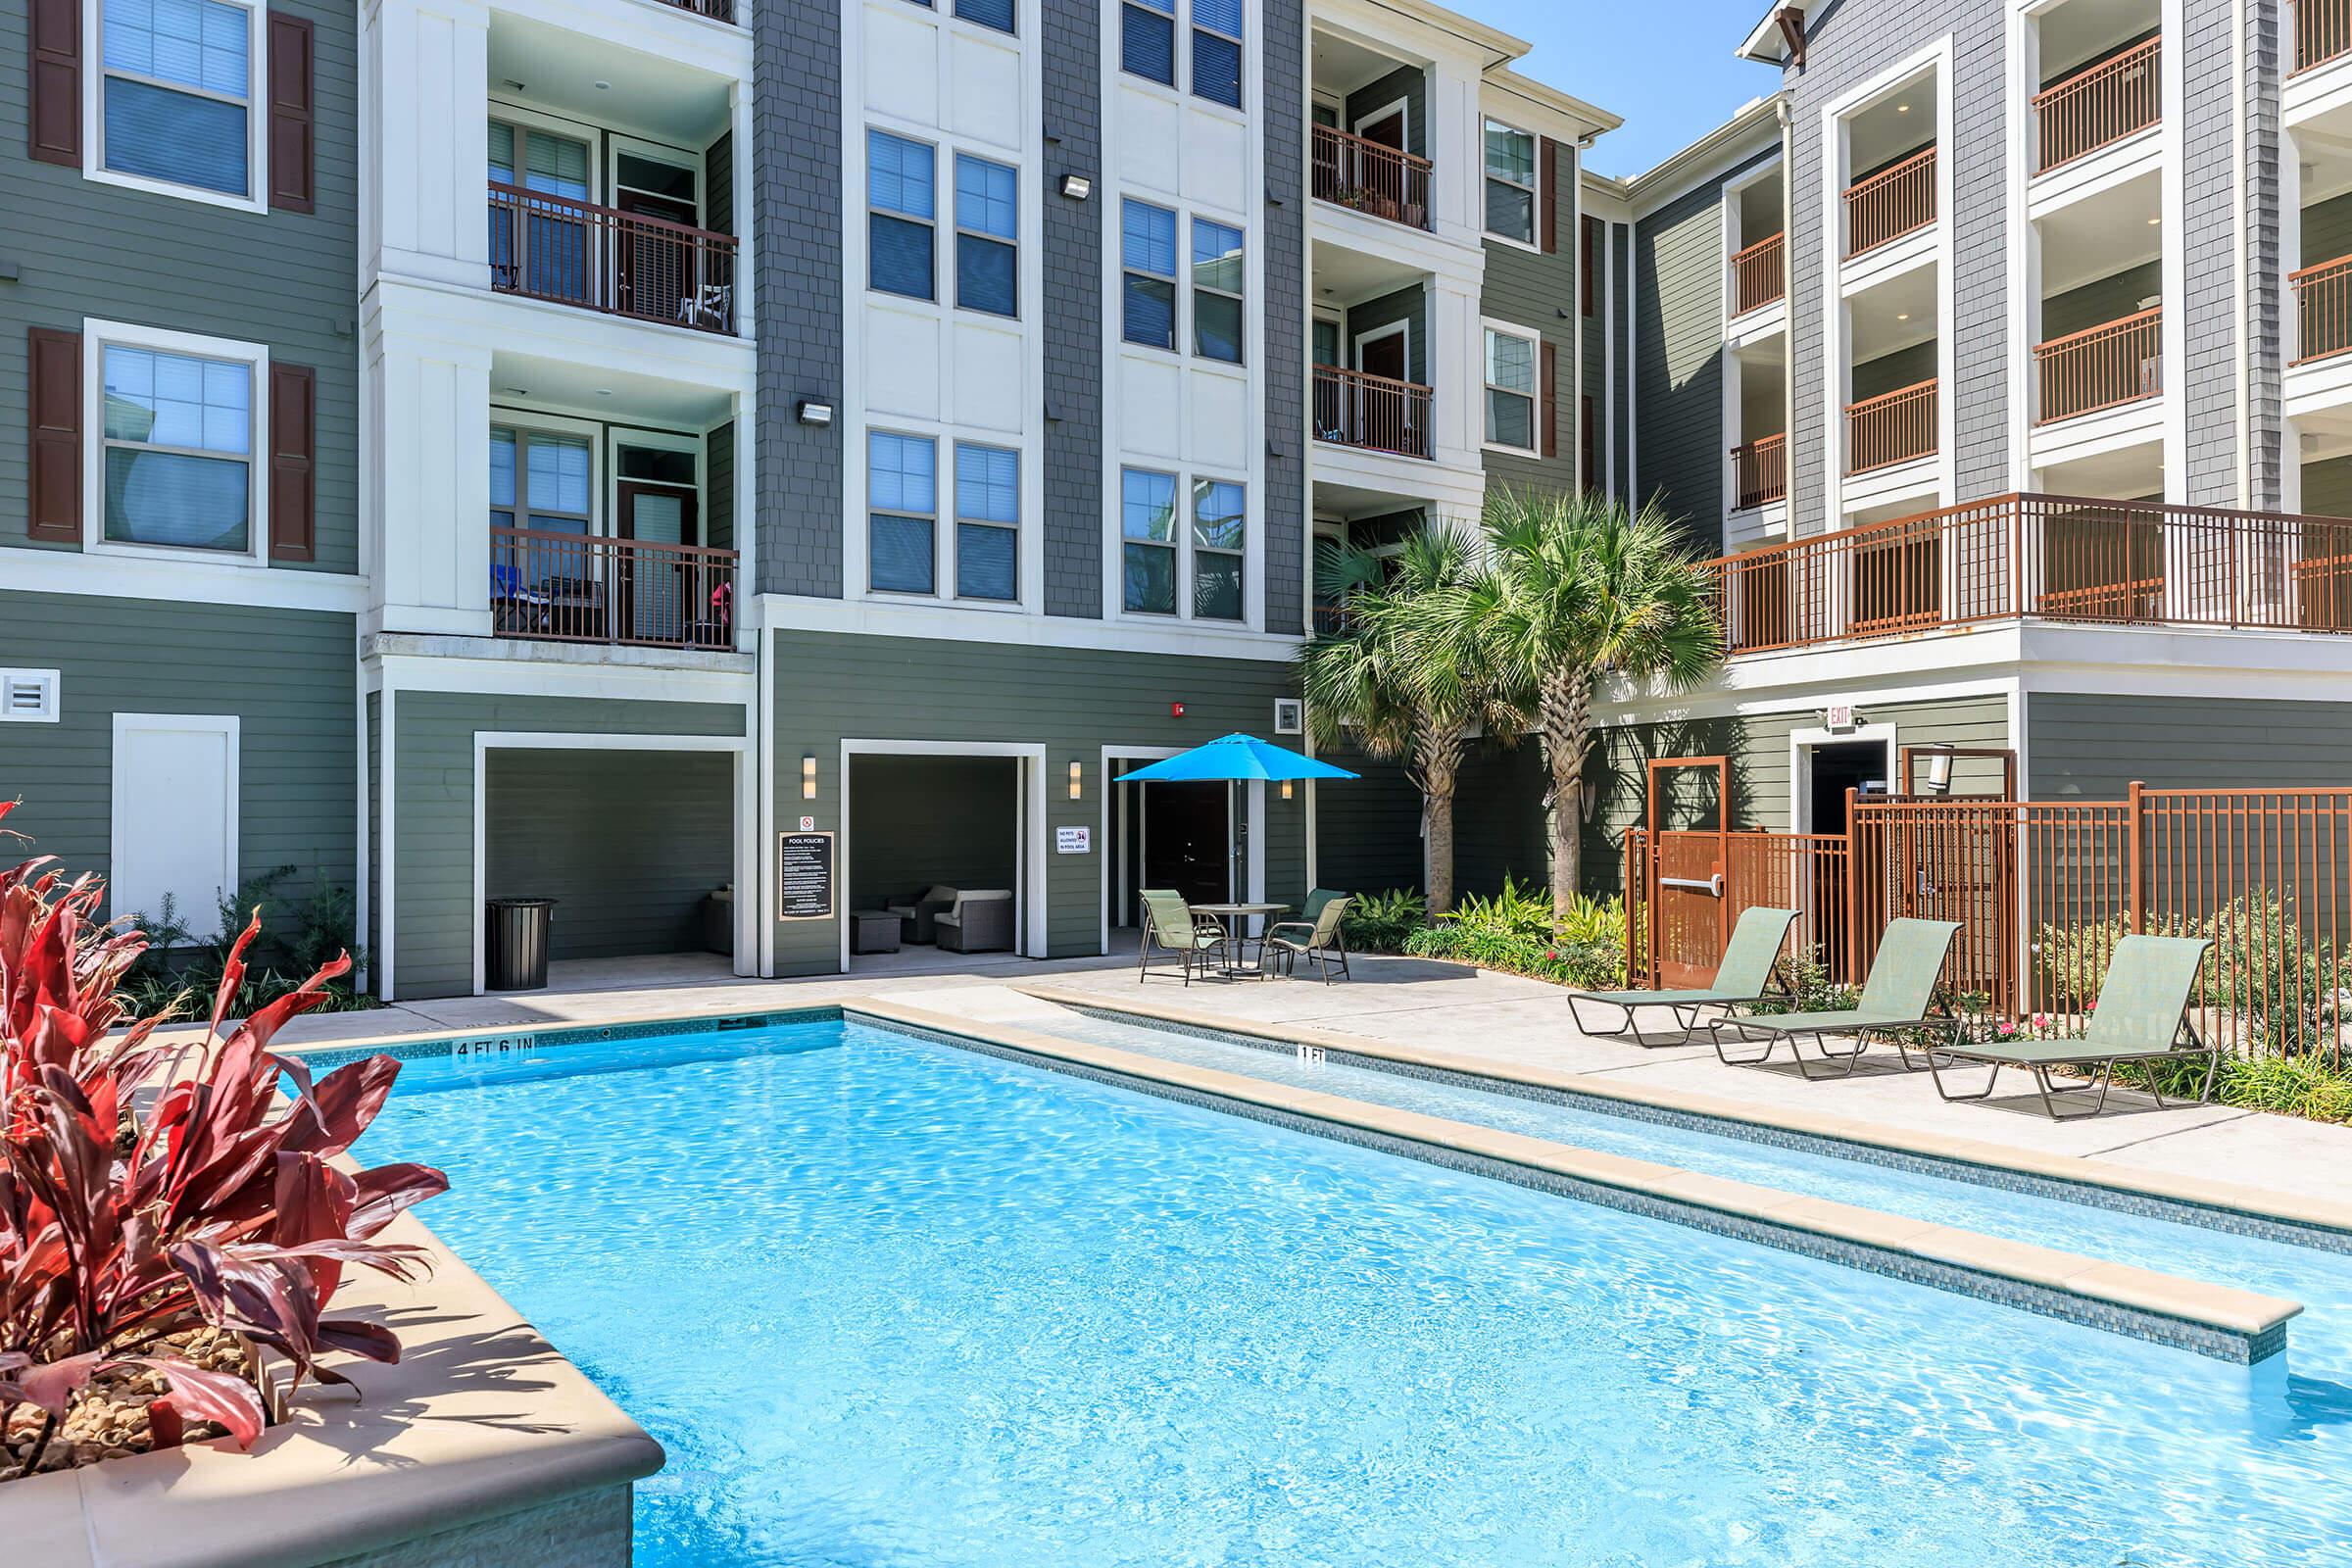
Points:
1175	709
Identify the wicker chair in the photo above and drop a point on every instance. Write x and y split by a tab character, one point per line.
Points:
978	921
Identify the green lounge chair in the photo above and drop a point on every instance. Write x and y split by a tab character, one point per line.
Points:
1895	997
2142	1015
1170	926
1317	937
1743	976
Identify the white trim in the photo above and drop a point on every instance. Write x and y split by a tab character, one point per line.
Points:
257	114
1533	336
764	879
97	336
229	727
1249	826
1402	108
1030	892
1534	243
387	862
1800	764
50	683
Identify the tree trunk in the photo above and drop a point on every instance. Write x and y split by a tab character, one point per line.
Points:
1437	768
1567	718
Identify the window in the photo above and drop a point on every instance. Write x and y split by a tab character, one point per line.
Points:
1148	251
1510	183
177	93
1148	530
902	500
178	439
988	522
1217	291
996	14
1217	530
1148	39
898	194
539	480
540	248
987	217
1511	390
1217	51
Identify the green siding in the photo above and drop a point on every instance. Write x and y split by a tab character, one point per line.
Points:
1071	701
1498	820
2100	300
432	798
1403	304
2089	748
1679	361
1539	292
2327	487
2327	230
627	843
289	676
1367	829
1408	83
283	279
1891	372
718	490
923	821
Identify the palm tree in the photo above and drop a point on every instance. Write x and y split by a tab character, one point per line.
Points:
1404	674
1578	588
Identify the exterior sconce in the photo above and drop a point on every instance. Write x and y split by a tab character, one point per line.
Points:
810	412
1940	773
1077	187
808	775
1077	776
1285	789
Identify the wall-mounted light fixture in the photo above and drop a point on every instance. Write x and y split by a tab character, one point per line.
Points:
809	411
1077	187
808	775
1077	780
1940	773
1285	789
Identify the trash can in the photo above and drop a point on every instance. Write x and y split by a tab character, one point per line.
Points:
519	944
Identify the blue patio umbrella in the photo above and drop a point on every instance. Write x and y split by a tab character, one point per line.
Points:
1233	759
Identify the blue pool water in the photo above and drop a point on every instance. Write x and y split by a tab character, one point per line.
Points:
887	1302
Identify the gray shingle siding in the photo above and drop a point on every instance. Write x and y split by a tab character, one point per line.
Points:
796	124
1070	41
2208	293
1678	360
1538	291
1285	241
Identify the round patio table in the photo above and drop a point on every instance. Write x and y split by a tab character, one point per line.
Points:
1231	916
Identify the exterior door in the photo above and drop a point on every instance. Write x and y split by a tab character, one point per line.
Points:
174	839
655	588
1188	841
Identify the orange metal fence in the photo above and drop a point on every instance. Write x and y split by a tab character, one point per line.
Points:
602	259
1371	176
2323	32
1354	409
595	589
1891	203
2100	367
2322	308
1892	427
2103	104
1760	471
1757	275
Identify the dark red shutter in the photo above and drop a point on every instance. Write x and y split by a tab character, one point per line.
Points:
293	435
291	135
1548	153
54	134
1547	406
54	372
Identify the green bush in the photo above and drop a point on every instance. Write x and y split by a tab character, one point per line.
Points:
181	969
1380	922
1513	931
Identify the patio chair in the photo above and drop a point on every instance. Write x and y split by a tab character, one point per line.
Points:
1895	997
980	920
1743	977
918	914
1317	939
1170	925
2142	1015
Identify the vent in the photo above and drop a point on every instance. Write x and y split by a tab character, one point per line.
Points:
27	696
1289	716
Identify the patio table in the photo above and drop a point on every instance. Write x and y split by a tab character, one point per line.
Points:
1231	916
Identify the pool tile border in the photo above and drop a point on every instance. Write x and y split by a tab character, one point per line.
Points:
443	1045
2210	1320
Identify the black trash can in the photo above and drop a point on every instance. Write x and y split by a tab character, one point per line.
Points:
519	944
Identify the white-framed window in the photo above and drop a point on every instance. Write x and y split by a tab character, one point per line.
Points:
1514	361
174	101
1218	276
987	523
1148	542
1161	549
1147	265
1148	41
1217	51
988	211
1513	206
902	214
996	13
543	480
1221	530
175	467
901	502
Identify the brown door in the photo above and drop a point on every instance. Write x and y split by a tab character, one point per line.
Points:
657	263
1387	129
1382	355
1383	417
658	595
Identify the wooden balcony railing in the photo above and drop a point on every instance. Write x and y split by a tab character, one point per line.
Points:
1372	412
2323	32
2053	557
2091	108
584	588
1760	471
1891	203
601	259
1371	176
1892	427
2100	368
2323	308
1757	275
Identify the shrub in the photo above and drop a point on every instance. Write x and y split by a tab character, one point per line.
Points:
178	965
1380	922
148	1190
1514	931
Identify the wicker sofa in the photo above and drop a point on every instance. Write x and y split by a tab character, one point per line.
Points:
980	920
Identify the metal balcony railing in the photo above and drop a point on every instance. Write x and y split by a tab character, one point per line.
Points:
602	259
1758	277
1892	427
1760	471
585	588
1374	412
2100	367
2105	103
1371	176
1891	203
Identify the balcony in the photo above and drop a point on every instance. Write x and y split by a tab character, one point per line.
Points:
584	588
1372	413
2097	107
1891	428
2323	310
715	10
1758	276
2048	557
1890	204
2323	32
647	268
1370	176
2101	367
1760	473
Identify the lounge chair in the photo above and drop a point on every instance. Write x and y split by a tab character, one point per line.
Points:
1743	977
1895	997
1317	939
2142	1015
1169	924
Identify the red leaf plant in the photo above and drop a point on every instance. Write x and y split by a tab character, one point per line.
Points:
147	1189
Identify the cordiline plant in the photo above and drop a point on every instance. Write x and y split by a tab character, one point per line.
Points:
147	1188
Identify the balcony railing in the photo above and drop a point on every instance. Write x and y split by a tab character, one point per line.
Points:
585	588
1891	203
2051	557
1375	413
2100	368
2091	108
2323	308
715	10
601	259
1892	427
1757	275
1760	471
1371	176
2323	32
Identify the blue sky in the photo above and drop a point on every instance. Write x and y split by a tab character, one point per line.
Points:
1666	66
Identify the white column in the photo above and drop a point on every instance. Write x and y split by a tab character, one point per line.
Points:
430	396
425	91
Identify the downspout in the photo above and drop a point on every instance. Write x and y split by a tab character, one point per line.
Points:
2238	256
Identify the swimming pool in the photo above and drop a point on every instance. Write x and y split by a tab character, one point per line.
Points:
885	1300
